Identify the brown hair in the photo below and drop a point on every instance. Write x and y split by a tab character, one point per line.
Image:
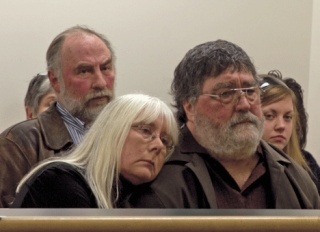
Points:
275	92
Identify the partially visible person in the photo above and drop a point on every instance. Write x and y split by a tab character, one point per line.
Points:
125	147
302	128
39	97
280	113
285	120
221	160
80	63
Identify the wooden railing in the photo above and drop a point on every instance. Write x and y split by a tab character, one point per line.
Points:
90	220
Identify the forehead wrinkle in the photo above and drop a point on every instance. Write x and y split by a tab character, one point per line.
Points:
223	85
89	64
232	84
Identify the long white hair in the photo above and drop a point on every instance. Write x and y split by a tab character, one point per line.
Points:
99	154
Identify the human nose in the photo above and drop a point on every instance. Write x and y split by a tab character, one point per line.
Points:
157	142
280	124
242	102
99	81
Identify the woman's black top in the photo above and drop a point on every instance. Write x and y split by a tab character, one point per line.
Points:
56	185
314	167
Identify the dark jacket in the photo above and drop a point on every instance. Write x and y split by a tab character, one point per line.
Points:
25	144
314	167
55	185
184	181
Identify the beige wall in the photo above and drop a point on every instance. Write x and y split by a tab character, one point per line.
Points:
314	85
151	36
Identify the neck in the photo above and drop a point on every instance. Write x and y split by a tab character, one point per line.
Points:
240	170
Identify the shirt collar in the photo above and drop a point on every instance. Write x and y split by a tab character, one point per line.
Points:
72	121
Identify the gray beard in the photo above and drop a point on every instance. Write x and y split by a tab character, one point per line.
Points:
79	107
230	141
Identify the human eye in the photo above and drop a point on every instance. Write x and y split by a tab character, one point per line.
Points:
145	130
225	95
106	67
82	70
166	140
288	118
268	116
250	91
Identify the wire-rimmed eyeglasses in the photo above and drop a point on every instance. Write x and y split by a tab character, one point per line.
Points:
149	135
251	93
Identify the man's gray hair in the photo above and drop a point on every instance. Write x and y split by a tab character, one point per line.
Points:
53	55
206	60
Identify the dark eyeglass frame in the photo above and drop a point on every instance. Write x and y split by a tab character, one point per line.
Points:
149	135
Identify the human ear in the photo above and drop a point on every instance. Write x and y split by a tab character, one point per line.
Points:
29	114
54	82
189	110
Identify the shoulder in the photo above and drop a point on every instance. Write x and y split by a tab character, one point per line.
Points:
56	172
19	142
185	163
55	185
313	166
37	136
32	128
180	165
59	172
177	176
309	157
277	158
279	162
20	129
178	185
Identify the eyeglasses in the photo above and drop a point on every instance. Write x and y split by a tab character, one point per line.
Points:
252	94
148	134
267	81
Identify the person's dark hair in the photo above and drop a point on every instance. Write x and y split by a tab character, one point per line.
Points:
39	86
204	61
302	128
54	50
274	77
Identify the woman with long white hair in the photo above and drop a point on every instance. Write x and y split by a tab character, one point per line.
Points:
125	147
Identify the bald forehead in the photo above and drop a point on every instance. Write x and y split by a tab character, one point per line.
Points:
82	46
77	39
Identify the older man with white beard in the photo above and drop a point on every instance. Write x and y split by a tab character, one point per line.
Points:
221	161
81	71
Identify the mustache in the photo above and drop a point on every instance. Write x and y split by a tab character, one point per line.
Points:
99	93
244	117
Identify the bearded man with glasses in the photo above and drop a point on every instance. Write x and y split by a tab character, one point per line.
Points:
221	161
